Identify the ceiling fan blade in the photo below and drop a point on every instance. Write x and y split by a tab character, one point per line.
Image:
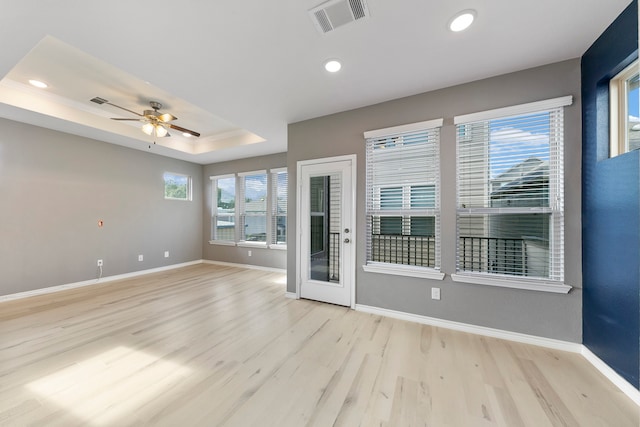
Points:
166	117
183	130
123	120
125	109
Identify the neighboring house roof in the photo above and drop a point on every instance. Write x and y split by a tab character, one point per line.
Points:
529	171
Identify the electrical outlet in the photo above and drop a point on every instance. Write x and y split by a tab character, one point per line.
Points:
166	254
435	293
99	263
140	258
249	253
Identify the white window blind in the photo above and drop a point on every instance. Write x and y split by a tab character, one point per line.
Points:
510	192
403	195
253	206
279	188
223	215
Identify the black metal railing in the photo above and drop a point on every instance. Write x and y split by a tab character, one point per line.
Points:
407	250
492	255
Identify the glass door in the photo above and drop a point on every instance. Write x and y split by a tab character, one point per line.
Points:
325	249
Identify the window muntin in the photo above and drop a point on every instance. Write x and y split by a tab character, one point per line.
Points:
403	203
223	217
624	106
177	186
510	218
253	207
279	191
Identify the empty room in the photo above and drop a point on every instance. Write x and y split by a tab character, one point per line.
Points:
320	213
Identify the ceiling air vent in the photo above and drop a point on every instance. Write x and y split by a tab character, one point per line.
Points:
99	100
335	13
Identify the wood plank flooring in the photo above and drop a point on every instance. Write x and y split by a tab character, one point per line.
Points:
222	346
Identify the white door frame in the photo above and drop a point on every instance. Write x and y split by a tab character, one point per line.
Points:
352	248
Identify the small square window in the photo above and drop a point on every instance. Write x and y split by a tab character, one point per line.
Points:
624	100
177	186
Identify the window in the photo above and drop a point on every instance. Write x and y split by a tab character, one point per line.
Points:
177	186
624	110
260	210
403	199
279	183
510	193
223	216
253	206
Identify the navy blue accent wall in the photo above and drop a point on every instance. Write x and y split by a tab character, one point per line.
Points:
610	210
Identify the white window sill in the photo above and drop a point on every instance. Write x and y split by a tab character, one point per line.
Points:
403	270
247	244
222	242
515	283
279	247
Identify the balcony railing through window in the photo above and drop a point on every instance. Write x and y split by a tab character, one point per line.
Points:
517	257
402	249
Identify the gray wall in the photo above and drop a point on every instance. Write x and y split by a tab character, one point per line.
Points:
55	187
536	313
273	258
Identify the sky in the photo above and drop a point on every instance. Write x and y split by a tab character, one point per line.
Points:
256	187
515	139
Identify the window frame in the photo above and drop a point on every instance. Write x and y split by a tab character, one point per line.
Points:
214	210
618	109
270	214
189	190
556	203
374	208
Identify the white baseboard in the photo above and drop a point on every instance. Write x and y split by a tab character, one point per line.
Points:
291	295
249	266
473	329
632	392
628	389
52	289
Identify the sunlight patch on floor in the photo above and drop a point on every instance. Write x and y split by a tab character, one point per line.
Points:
112	385
281	280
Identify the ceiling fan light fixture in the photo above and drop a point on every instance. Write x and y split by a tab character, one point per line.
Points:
155	129
148	128
161	131
154	123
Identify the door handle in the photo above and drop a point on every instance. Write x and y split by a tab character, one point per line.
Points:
347	240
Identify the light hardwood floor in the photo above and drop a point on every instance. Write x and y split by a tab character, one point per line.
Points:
211	346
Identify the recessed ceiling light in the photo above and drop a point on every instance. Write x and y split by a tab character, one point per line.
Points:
332	66
186	135
38	84
462	20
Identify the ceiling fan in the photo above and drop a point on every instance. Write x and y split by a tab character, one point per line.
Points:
155	123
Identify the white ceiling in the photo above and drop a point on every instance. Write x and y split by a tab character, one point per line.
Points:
240	71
